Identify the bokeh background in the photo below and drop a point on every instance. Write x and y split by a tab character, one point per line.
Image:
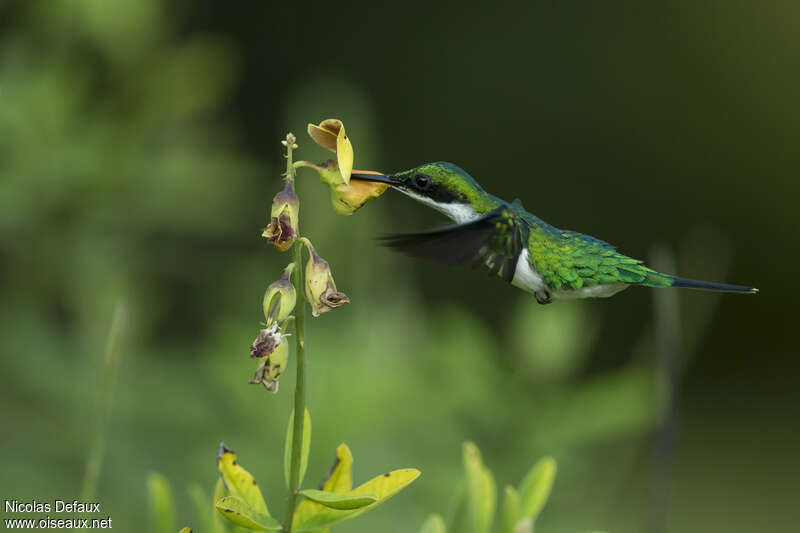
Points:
139	151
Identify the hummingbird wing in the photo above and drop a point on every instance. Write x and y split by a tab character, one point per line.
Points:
493	242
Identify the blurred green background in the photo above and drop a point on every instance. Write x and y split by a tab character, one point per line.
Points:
139	151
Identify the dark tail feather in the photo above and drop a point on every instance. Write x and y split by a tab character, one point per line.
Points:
710	286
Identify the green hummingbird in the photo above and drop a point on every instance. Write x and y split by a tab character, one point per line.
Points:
516	245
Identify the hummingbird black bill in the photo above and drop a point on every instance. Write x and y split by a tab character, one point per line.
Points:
373	176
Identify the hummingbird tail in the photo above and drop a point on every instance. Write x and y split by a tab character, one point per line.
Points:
711	286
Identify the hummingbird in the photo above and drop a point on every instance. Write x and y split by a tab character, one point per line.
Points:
512	243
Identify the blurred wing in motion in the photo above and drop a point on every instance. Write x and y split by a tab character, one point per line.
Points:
492	242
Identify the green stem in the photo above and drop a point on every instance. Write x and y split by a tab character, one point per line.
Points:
300	387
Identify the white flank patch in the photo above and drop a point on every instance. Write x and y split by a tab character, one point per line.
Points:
525	277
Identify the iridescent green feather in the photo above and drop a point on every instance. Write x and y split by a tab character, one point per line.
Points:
570	260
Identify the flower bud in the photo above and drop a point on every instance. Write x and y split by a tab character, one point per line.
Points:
320	288
271	367
280	298
282	229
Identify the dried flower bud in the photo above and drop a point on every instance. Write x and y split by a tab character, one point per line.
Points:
267	341
280	298
271	367
320	288
283	225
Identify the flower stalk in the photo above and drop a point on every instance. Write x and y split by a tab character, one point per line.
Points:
300	350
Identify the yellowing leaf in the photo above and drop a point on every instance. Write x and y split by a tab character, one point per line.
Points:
481	490
239	482
535	488
335	500
161	503
237	511
304	450
434	524
510	509
340	479
185	530
382	487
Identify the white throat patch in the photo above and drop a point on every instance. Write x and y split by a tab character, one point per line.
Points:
458	212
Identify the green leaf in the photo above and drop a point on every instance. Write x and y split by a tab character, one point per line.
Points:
315	516
481	490
185	530
510	509
535	488
434	524
237	511
306	447
336	500
340	479
239	482
204	512
161	503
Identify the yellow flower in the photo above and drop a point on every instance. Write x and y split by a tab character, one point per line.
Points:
283	225
330	134
346	195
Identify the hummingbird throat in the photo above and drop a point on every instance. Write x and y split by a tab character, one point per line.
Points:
459	212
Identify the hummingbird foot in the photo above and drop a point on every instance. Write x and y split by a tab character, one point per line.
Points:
543	297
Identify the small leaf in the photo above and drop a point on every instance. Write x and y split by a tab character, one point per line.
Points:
510	509
239	482
161	503
237	511
220	524
336	500
434	524
306	448
340	479
185	530
481	490
535	488
383	487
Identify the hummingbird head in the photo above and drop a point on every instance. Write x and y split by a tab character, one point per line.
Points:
441	185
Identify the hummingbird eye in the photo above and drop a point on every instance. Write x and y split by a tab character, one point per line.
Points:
422	182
